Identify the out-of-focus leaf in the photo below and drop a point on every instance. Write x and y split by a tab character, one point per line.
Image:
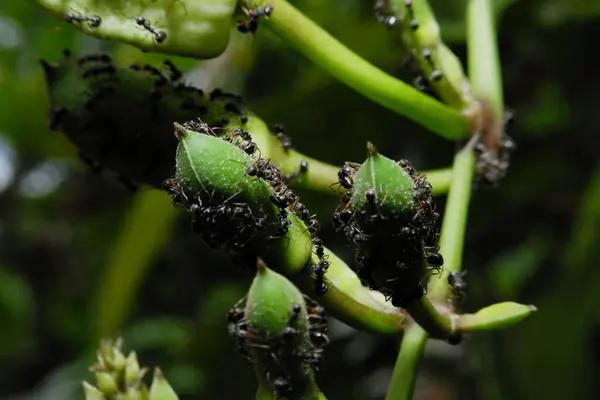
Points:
513	269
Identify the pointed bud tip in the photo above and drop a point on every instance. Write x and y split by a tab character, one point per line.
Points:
371	149
180	131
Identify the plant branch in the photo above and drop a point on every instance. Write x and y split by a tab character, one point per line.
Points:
406	368
485	79
343	64
320	175
133	253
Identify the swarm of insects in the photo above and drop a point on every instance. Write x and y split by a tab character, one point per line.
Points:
121	118
281	331
388	216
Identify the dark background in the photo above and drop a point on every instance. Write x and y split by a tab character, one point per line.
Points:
80	256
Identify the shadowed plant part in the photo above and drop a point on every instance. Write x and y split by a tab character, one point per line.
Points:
389	218
197	29
121	377
282	335
122	118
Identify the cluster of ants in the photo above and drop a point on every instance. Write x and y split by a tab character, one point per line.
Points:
281	351
285	199
165	88
394	253
230	225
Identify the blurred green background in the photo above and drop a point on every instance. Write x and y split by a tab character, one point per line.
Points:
80	257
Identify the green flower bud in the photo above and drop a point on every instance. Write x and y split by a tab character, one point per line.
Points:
91	393
133	373
389	218
198	29
275	331
122	118
160	389
496	316
106	383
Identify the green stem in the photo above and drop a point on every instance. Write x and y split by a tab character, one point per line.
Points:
133	253
436	325
455	219
486	81
483	58
343	64
405	371
321	176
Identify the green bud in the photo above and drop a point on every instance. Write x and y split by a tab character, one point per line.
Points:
278	338
270	301
197	29
390	220
133	373
496	316
91	393
214	169
160	389
106	383
392	187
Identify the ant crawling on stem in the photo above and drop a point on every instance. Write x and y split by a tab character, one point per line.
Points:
73	17
159	36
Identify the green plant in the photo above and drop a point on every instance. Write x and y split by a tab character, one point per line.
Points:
232	175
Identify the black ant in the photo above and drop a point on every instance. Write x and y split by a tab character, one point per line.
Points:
384	14
301	170
286	142
319	270
101	58
436	74
414	24
94	20
237	110
253	15
176	74
159	36
160	78
435	260
97	71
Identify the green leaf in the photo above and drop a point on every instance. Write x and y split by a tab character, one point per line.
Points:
497	316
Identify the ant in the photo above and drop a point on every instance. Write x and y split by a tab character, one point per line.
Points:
384	14
435	260
414	24
301	170
71	18
436	74
286	142
101	58
97	71
253	15
159	36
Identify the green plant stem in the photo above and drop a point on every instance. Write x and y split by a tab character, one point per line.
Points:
134	251
405	371
424	313
451	242
485	78
343	64
321	176
483	58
